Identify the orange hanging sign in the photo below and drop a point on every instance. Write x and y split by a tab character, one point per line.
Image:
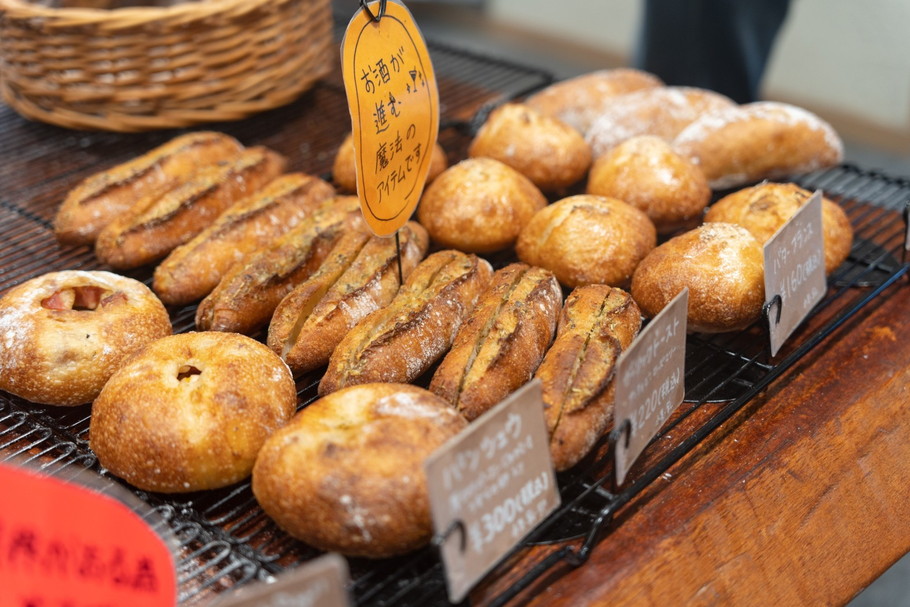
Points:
63	544
394	103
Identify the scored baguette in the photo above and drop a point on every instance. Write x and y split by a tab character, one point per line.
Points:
102	197
193	270
399	342
250	291
597	324
313	318
157	225
501	345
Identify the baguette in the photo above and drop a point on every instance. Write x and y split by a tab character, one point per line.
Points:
192	270
250	291
313	318
155	226
597	323
101	198
500	346
400	342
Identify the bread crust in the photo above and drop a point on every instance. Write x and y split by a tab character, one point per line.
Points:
760	140
502	343
400	342
764	208
249	292
580	100
346	474
100	198
344	170
192	270
645	172
587	239
720	263
478	206
597	324
544	149
65	333
356	280
157	225
190	412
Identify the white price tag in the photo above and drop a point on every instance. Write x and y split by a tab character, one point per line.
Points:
321	582
794	271
490	486
650	381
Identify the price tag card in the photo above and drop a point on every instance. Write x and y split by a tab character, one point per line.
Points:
321	582
62	543
795	271
394	103
650	381
490	486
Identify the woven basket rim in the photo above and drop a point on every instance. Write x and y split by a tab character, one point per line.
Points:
22	9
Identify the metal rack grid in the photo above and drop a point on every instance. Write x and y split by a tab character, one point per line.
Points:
225	539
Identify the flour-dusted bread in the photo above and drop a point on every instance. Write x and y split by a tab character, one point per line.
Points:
346	474
762	140
63	334
722	265
587	239
764	208
190	412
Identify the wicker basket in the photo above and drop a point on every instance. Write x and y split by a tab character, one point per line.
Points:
142	68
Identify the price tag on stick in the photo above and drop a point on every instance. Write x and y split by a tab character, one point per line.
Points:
490	486
650	382
394	103
794	271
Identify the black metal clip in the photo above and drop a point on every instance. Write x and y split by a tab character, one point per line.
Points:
774	302
457	525
906	232
625	428
366	7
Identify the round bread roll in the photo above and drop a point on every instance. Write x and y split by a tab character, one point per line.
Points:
344	170
65	333
546	150
722	265
663	112
645	172
761	140
346	474
764	208
478	206
587	239
191	411
579	101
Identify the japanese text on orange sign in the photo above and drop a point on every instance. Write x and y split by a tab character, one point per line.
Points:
394	105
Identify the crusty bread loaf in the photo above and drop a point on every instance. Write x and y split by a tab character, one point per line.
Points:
503	341
478	206
544	149
400	342
344	170
587	239
659	111
153	228
249	292
63	334
764	208
192	270
645	172
190	412
722	265
580	100
102	197
346	474
354	281
596	325
761	140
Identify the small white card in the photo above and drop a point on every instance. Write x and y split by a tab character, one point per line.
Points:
321	582
650	381
794	271
490	486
